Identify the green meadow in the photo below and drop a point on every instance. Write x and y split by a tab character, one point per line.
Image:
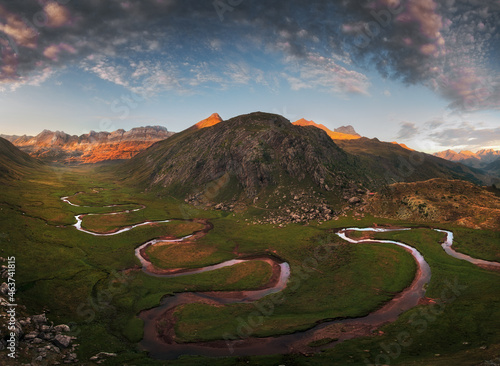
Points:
92	283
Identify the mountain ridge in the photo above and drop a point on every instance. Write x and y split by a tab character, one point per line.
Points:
263	159
58	146
334	135
487	160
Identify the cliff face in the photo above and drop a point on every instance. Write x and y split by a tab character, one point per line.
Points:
92	147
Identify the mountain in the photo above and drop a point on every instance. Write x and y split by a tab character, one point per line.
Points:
265	161
246	157
480	159
92	147
208	122
334	135
488	155
349	130
402	145
457	156
13	162
493	168
399	164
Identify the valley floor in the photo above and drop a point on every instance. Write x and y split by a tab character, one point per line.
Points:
95	285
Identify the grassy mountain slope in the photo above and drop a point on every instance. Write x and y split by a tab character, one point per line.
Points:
13	162
493	168
397	164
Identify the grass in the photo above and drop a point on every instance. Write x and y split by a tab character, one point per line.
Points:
322	342
341	277
108	223
481	244
185	255
81	278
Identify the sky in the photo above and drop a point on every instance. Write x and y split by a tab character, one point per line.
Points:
421	72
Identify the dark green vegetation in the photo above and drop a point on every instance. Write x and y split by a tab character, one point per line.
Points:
481	244
110	223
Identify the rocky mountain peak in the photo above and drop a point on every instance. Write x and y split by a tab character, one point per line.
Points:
349	130
334	135
209	122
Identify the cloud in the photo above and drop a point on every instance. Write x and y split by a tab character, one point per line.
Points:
468	137
451	46
15	27
52	51
322	73
407	131
57	15
36	79
432	43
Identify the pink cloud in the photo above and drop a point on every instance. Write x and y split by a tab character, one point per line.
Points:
15	27
424	13
57	15
53	51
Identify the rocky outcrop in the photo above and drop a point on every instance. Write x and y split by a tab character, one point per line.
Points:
37	339
439	200
92	147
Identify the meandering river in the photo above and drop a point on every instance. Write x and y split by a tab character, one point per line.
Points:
160	342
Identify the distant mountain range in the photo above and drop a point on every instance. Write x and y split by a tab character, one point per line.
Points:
89	148
485	159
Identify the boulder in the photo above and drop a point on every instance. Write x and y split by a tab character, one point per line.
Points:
354	200
4	288
39	319
62	328
62	341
